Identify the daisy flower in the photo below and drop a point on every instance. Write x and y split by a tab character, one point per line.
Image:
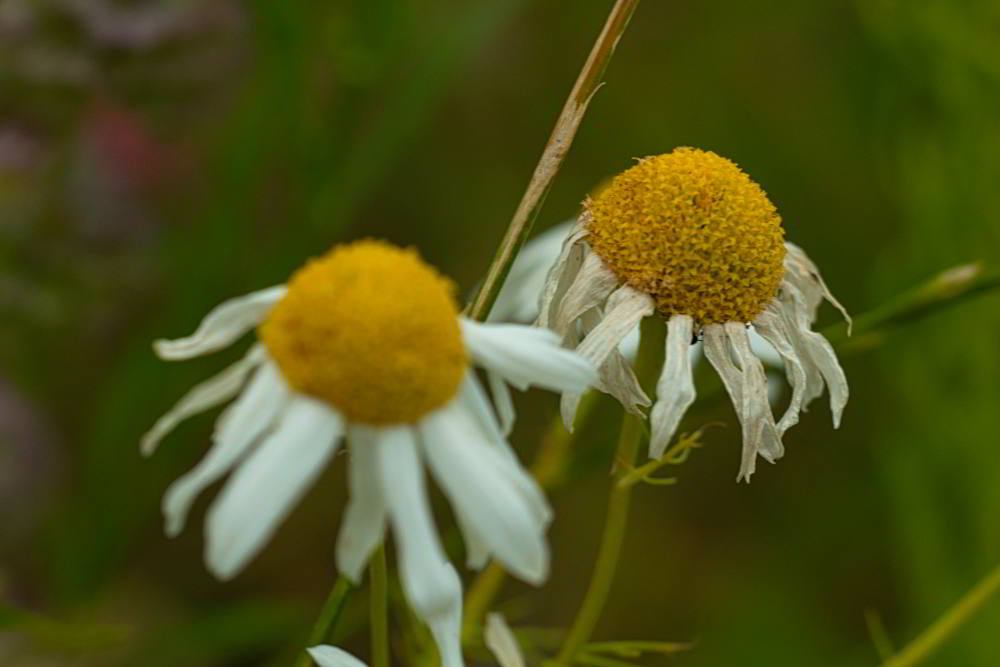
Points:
687	235
365	349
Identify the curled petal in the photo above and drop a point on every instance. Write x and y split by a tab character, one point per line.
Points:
562	273
675	389
237	430
204	396
223	325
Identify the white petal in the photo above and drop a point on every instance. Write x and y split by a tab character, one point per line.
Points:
263	490
518	299
501	642
527	356
626	308
591	288
447	627
615	375
223	325
757	417
363	526
716	347
331	656
675	389
477	406
801	269
489	490
562	273
472	404
815	348
477	551
203	396
431	585
236	432
503	401
771	328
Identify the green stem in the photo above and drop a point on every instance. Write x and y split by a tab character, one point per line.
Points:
648	362
948	288
941	630
326	622
378	608
587	83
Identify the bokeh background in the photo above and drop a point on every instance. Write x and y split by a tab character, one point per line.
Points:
157	157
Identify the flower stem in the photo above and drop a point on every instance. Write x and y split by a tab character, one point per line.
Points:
327	619
942	629
648	362
948	288
587	83
378	608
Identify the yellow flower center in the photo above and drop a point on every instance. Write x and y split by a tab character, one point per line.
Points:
372	330
693	231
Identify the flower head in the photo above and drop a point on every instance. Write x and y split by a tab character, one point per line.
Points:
692	230
365	349
372	330
689	236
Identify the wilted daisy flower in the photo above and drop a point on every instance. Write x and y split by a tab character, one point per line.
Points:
688	235
365	346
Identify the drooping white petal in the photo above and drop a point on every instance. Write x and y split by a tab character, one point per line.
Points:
518	299
757	416
615	375
203	396
562	273
331	656
503	401
501	642
236	432
717	351
489	490
675	389
527	356
431	585
802	271
591	288
625	309
771	328
816	349
223	325
363	525
263	490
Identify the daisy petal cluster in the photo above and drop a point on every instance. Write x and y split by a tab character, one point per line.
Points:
364	351
688	236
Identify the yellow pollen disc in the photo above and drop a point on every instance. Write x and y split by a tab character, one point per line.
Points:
693	231
372	330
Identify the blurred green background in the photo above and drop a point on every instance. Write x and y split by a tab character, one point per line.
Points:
158	157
